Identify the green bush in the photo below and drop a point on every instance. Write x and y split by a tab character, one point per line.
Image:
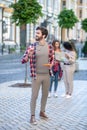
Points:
12	50
22	48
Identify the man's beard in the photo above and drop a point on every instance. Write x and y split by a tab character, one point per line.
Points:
38	38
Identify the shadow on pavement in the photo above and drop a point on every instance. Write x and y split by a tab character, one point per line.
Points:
21	85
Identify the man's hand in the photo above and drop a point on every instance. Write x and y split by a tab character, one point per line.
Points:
31	51
24	60
51	66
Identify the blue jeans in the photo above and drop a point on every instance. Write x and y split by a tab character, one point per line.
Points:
55	80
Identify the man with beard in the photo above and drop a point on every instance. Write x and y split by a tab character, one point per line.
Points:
40	55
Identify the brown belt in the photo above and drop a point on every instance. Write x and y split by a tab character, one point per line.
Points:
67	64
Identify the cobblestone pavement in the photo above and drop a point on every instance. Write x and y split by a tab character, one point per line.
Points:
64	114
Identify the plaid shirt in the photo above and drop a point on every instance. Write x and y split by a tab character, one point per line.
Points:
32	58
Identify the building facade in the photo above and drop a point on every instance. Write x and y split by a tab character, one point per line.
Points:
80	9
9	33
50	9
81	12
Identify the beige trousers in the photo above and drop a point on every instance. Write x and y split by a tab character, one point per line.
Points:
68	72
43	82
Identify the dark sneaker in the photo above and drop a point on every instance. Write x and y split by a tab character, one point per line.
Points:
32	120
43	115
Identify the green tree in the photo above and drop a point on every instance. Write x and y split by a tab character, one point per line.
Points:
67	19
26	12
84	24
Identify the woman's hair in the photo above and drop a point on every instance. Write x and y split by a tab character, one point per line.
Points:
73	45
68	45
43	30
54	42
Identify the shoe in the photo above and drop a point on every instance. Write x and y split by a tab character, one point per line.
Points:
49	95
68	96
64	95
55	95
32	120
43	115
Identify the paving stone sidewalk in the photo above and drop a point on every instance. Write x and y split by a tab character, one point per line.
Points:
64	114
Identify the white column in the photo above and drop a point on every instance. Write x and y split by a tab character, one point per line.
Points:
59	6
68	4
27	33
18	35
74	33
31	38
17	40
1	18
9	29
12	35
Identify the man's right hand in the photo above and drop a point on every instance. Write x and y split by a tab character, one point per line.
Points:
31	51
24	60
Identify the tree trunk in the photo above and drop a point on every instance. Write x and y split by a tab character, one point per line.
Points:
26	73
23	35
23	43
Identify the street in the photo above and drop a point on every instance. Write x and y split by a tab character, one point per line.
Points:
11	69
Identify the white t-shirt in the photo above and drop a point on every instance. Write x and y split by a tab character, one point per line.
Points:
72	56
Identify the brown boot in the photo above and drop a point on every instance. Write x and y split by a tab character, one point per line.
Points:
32	120
43	115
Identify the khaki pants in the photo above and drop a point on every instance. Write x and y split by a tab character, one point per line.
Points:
43	82
68	72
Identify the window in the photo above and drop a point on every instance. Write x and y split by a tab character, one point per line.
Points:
80	14
63	4
80	1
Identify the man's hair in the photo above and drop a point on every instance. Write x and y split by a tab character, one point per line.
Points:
43	30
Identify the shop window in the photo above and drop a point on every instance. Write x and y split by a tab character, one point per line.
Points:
81	1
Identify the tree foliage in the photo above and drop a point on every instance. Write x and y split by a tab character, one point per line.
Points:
84	24
67	18
26	11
